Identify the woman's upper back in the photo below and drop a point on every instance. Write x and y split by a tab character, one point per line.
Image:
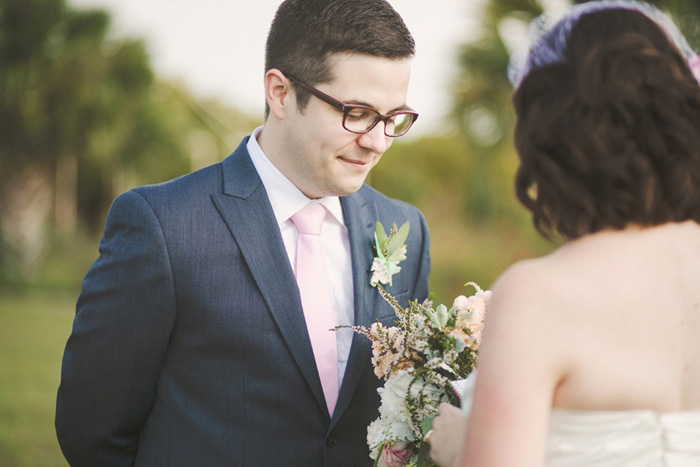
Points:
608	323
627	307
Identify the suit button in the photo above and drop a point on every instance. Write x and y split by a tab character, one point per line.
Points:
332	439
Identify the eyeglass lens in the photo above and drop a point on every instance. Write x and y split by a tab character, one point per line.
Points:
361	120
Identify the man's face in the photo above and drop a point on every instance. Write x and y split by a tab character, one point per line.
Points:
324	159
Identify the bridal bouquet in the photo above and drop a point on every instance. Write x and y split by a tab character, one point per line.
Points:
419	358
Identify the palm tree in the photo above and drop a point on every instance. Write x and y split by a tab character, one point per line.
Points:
82	117
63	87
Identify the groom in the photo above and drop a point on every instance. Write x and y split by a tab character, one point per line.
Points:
198	338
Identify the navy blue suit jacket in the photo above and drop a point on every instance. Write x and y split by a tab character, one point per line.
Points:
189	345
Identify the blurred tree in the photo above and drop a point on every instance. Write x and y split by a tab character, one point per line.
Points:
483	111
82	118
686	15
61	82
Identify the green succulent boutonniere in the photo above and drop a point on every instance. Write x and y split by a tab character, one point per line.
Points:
391	250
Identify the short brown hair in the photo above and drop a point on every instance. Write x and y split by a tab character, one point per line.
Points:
304	33
610	137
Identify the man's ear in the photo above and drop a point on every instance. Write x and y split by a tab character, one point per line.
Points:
277	92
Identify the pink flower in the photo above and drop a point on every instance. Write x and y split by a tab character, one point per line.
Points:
382	363
472	340
475	336
462	335
385	343
474	305
470	315
396	455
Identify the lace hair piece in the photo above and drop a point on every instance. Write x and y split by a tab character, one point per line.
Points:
548	36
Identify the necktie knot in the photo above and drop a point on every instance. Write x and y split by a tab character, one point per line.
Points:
309	219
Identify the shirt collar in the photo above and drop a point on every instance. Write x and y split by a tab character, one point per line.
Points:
286	199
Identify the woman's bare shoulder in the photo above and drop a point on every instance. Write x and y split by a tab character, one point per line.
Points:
529	280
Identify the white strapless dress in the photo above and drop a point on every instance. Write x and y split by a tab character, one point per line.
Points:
624	438
615	438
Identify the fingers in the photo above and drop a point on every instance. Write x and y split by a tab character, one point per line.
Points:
445	413
446	436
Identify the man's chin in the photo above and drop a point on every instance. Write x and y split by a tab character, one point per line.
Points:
350	188
341	186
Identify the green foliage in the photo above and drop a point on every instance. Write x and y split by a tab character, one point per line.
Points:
34	326
686	15
476	226
83	118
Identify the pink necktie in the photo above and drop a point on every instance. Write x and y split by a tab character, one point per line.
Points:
315	291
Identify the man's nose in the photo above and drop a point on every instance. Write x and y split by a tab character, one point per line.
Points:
375	140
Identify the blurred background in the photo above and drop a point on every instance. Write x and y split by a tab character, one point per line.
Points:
91	106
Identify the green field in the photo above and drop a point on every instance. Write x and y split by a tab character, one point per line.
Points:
34	327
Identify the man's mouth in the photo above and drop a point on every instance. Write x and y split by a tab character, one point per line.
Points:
355	162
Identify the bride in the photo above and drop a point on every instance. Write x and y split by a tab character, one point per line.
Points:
591	355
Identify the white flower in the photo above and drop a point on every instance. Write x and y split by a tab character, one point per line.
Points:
434	363
375	436
396	391
393	396
400	430
379	273
428	390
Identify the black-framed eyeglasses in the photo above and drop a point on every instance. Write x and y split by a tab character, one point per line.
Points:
361	119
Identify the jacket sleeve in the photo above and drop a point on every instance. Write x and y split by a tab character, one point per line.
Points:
113	358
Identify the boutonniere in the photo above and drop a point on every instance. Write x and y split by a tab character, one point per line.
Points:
390	250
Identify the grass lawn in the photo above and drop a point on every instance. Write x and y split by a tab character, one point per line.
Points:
34	327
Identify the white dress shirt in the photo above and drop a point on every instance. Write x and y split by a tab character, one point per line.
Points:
286	199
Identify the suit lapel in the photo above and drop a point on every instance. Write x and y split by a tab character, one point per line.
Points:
360	218
246	209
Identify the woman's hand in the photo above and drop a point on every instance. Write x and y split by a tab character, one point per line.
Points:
447	435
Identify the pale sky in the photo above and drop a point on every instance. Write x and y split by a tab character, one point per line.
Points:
216	47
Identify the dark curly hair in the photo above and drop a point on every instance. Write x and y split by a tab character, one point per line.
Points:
610	137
